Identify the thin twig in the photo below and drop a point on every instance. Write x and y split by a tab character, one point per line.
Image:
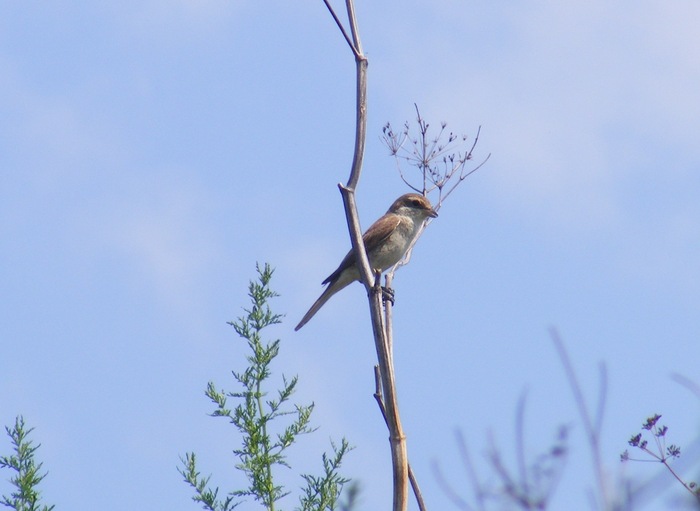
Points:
602	397
342	29
448	490
687	383
477	487
510	486
520	440
592	433
465	176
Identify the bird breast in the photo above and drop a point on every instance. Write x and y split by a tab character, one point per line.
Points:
390	252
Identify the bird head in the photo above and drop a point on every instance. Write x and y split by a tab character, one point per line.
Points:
413	205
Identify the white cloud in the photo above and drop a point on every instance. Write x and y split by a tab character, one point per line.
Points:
162	232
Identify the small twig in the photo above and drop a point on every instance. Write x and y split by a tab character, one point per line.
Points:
389	317
440	169
449	491
465	176
520	440
471	472
592	433
687	383
663	453
342	29
510	487
602	397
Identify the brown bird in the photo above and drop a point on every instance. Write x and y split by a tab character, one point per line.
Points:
386	242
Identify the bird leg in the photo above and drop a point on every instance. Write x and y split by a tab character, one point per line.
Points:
387	295
387	292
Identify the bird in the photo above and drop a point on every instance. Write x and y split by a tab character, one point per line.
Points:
386	242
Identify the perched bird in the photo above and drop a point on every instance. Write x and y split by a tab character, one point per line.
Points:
386	242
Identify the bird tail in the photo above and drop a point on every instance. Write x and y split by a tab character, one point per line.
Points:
333	287
325	296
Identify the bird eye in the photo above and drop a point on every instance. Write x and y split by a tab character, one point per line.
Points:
415	202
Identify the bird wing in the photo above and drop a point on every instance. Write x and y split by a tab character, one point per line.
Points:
373	237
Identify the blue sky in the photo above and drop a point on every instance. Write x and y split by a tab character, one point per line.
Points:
152	152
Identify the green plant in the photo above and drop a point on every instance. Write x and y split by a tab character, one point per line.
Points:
264	441
28	475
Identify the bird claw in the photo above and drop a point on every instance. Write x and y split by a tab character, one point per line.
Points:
387	295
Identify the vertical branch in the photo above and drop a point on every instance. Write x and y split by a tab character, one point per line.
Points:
371	282
397	438
379	397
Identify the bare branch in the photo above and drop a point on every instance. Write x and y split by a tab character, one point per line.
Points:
441	168
371	282
380	402
342	29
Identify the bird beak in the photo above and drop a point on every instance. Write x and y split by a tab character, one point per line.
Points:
432	213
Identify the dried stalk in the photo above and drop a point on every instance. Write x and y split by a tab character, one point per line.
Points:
371	282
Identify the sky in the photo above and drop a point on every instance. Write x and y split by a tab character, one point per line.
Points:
152	152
